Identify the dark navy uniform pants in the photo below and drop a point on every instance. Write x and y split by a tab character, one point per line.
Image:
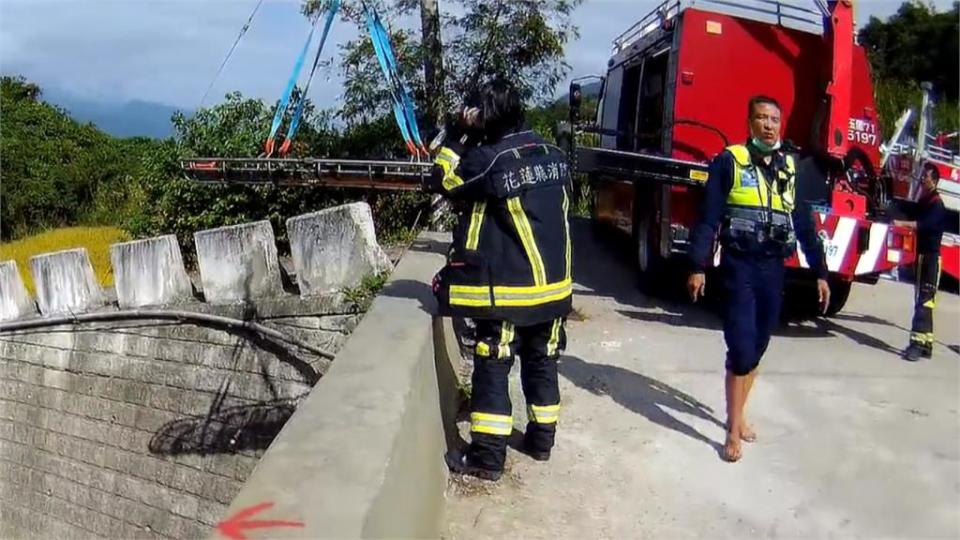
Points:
927	281
753	287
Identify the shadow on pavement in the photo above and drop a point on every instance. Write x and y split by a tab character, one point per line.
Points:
603	266
823	328
691	317
647	397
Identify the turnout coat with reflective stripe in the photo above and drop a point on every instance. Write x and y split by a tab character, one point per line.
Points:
511	253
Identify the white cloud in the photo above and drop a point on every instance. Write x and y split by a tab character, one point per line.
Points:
165	51
168	50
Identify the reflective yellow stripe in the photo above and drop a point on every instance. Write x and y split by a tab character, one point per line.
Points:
525	232
451	180
930	304
506	337
543	414
482	349
476	222
493	424
566	228
924	338
448	160
554	338
510	296
758	195
447	153
511	290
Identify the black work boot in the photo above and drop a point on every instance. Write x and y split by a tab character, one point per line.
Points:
533	444
539	455
460	463
913	352
927	352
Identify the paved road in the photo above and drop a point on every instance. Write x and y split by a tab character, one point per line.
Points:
853	442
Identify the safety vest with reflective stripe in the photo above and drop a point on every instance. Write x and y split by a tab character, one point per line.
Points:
758	209
511	253
751	189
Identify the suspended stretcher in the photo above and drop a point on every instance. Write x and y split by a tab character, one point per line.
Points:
315	172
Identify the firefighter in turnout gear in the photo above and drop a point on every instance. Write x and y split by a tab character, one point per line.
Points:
508	269
932	219
750	202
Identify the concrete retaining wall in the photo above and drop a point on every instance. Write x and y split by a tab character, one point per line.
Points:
142	429
16	302
364	458
150	273
147	428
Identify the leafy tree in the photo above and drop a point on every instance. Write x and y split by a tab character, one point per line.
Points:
523	40
53	167
916	44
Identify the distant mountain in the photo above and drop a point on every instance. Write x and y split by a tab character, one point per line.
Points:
589	90
131	119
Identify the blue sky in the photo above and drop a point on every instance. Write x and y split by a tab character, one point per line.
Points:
168	50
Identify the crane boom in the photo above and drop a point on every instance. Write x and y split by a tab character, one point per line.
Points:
840	33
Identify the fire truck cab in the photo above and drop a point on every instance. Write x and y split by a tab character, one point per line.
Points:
675	94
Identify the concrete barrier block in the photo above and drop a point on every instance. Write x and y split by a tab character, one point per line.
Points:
150	272
238	263
65	282
15	301
334	248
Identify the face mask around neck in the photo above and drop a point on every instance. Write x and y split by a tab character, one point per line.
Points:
764	147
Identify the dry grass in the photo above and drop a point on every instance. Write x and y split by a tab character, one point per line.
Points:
97	240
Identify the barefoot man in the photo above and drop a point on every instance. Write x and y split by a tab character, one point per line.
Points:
749	201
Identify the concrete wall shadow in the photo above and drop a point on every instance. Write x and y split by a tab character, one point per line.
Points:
415	290
246	427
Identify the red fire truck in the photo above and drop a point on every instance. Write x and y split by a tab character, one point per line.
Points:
675	94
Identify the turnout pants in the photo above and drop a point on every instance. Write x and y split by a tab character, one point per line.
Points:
927	281
491	416
753	286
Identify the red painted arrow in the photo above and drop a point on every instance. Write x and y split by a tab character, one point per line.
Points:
234	526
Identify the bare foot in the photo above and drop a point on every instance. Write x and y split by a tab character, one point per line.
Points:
731	450
747	434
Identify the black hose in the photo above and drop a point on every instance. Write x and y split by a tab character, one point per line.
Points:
179	316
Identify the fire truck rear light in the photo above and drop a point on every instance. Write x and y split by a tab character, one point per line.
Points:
909	243
895	241
714	27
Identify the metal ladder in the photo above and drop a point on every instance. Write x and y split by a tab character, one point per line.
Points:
317	172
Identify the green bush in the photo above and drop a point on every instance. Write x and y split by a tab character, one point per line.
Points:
171	204
55	170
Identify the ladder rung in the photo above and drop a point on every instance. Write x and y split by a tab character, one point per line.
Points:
347	173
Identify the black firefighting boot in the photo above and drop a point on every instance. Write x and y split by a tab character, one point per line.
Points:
538	440
915	352
460	463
